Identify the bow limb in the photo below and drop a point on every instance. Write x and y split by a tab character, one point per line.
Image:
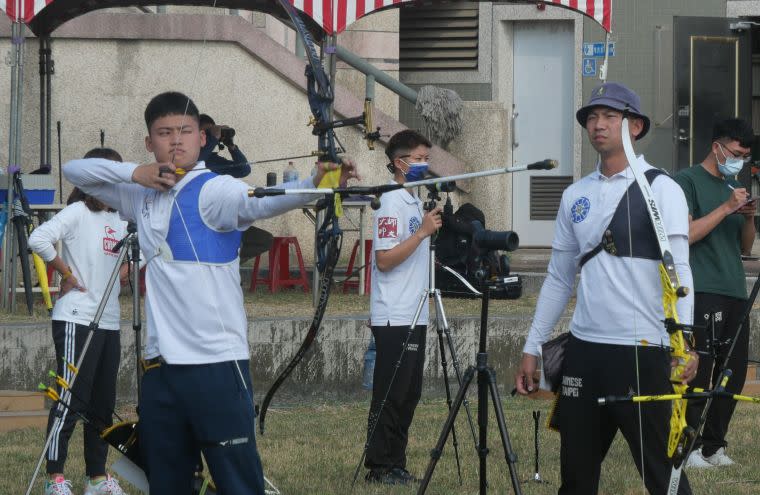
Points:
325	285
678	436
329	236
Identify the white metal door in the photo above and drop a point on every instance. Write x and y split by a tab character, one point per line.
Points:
542	126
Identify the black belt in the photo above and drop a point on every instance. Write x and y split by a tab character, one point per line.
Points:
149	364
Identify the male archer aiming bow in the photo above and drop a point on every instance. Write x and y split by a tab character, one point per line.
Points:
196	390
601	219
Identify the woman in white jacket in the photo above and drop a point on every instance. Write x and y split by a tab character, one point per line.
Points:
87	230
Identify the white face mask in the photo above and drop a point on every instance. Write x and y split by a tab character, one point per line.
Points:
731	166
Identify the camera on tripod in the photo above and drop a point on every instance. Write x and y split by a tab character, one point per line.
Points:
467	247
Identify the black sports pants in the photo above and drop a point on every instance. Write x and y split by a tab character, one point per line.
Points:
591	371
726	313
93	394
387	446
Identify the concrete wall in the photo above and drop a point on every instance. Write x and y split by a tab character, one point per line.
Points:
643	33
332	368
107	67
239	69
742	8
486	150
486	138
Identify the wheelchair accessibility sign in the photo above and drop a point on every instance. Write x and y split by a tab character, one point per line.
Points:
589	67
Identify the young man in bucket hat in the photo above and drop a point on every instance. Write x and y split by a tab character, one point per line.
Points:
601	219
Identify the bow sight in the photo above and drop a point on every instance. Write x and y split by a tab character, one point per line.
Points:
365	120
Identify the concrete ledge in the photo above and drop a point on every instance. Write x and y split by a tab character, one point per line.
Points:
332	368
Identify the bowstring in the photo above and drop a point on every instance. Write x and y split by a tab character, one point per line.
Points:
635	320
248	393
204	45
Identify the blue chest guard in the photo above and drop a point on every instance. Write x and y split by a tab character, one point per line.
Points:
211	247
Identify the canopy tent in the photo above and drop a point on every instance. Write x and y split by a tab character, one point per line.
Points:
322	16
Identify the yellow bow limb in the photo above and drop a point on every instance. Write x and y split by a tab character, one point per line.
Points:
42	278
679	436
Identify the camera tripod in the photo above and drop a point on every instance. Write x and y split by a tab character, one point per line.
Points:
442	329
486	383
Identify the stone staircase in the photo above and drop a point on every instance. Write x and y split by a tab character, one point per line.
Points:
22	410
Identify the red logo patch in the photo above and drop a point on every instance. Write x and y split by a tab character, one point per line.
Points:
109	241
387	227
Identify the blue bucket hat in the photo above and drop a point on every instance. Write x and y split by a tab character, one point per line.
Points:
617	96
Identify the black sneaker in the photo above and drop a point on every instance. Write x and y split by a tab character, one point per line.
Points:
386	477
405	475
375	475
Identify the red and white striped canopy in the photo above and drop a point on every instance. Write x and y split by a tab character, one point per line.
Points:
24	10
599	10
333	16
347	11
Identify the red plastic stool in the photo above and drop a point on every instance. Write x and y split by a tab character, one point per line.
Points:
50	274
367	267
279	266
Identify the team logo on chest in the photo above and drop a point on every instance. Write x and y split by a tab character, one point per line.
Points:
580	209
109	241
414	225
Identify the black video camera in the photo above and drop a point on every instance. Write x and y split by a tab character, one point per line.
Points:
464	245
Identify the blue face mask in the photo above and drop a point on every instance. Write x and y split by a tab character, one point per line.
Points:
416	171
731	166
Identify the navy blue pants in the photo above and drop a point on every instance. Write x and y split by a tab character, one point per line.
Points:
188	409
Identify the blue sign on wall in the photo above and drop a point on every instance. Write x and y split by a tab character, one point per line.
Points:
597	49
589	67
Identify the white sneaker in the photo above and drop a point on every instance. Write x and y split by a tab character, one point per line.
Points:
109	486
720	458
697	461
59	486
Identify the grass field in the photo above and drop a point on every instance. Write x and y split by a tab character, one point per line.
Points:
293	302
314	450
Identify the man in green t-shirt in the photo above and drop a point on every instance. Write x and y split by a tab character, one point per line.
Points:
721	229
